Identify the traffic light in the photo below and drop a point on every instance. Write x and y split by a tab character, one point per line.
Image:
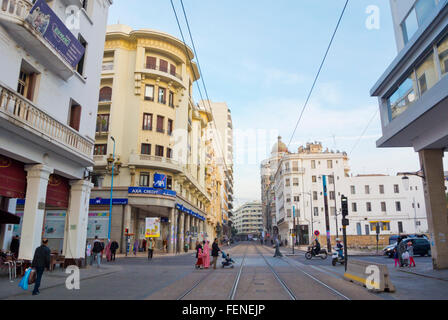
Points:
344	206
126	231
344	209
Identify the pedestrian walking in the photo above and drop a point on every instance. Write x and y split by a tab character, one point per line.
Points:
14	246
135	249
411	254
108	252
113	249
165	244
97	249
150	248
277	249
89	253
397	260
144	244
206	253
198	246
103	248
200	260
41	260
215	252
401	249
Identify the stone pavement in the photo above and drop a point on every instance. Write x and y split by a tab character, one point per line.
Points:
53	279
425	270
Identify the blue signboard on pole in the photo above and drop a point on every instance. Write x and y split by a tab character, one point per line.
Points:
45	22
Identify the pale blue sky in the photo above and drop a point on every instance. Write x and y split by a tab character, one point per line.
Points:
261	57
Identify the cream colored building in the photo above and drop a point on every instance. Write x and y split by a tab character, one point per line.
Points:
146	105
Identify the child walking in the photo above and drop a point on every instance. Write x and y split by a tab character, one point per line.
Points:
411	254
397	260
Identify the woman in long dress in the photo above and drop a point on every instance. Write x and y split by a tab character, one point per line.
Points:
206	255
108	252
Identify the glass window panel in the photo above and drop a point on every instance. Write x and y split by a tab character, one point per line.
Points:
409	26
443	54
426	74
424	8
405	95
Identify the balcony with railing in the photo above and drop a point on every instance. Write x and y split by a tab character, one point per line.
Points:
26	119
13	14
156	71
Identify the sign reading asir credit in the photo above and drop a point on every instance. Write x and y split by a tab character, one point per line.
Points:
45	22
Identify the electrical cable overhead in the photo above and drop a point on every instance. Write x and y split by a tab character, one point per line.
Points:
318	72
364	131
200	74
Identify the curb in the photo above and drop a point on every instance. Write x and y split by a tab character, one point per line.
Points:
423	275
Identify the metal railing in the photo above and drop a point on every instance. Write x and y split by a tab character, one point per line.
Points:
164	70
19	108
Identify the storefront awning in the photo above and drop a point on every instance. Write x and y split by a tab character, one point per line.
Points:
8	218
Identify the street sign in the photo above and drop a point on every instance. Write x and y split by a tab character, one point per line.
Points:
316	233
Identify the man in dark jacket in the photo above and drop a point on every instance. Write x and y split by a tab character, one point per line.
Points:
14	247
113	249
215	252
41	261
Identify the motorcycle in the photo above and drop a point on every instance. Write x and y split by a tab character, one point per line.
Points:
335	258
310	253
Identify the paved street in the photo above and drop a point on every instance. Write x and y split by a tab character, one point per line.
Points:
256	276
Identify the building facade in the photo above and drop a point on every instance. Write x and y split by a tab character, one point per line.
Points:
413	103
222	131
159	134
48	106
248	220
306	189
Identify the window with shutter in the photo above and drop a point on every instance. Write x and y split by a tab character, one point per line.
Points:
163	65
151	62
105	94
172	69
75	116
160	121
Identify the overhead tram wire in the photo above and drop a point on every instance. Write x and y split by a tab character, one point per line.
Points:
316	78
194	73
364	132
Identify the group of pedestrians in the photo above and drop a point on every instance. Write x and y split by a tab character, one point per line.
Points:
203	254
95	252
404	255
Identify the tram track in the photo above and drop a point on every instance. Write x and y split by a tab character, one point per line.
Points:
289	292
295	266
200	281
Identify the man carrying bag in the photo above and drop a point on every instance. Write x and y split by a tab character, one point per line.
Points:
41	261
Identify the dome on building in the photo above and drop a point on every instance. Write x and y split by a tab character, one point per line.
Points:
279	147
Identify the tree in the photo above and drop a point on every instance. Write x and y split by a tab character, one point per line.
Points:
234	231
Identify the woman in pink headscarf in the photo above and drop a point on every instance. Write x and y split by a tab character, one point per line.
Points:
206	254
108	252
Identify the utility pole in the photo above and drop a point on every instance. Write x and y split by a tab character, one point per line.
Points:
345	222
327	218
335	206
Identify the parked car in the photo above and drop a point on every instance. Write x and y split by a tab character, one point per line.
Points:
393	239
421	246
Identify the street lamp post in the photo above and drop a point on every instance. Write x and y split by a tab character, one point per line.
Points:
111	189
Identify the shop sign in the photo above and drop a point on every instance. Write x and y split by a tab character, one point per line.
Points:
152	229
159	181
151	191
115	202
45	22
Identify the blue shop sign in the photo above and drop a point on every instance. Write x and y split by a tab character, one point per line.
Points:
159	181
115	202
188	211
45	22
151	191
